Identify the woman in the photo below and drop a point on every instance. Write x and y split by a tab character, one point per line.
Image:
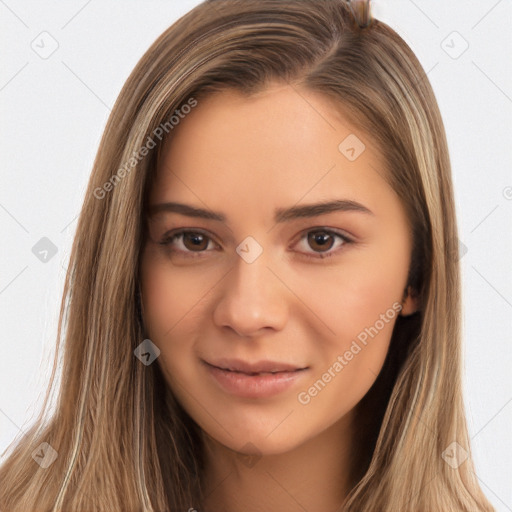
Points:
261	373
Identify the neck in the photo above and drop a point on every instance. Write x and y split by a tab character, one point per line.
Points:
316	475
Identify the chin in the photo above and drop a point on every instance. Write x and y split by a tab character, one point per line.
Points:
258	442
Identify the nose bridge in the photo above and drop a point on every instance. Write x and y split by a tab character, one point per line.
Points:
252	296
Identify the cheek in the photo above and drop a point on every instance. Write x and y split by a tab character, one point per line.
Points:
172	313
360	303
347	364
173	297
177	305
356	295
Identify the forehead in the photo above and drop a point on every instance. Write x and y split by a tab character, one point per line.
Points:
270	149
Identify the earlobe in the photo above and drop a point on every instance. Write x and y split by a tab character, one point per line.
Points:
410	302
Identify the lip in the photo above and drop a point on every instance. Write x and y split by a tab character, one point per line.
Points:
254	380
237	365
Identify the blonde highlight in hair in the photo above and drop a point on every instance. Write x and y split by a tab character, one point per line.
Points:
123	440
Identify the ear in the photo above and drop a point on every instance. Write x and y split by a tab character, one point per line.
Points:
410	302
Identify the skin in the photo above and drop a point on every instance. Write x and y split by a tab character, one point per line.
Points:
245	157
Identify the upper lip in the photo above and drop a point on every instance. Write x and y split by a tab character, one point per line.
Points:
237	365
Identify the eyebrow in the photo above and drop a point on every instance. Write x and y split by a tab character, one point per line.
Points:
280	215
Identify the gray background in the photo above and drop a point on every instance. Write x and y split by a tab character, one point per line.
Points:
53	111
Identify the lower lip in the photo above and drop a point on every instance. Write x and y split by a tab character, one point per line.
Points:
254	386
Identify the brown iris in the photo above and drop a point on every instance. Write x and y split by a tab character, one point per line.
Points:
197	240
320	237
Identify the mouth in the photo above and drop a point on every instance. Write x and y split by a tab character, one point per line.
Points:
263	379
261	373
257	368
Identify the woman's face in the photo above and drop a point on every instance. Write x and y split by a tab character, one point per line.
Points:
247	288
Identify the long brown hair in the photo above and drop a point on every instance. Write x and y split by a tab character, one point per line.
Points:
122	441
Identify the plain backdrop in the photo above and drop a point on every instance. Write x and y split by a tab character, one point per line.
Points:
62	67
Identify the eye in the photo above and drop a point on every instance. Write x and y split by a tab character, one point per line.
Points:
324	240
190	244
188	241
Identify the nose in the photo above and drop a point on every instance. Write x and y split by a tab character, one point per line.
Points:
253	298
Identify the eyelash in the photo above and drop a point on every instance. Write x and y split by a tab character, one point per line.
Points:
170	237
